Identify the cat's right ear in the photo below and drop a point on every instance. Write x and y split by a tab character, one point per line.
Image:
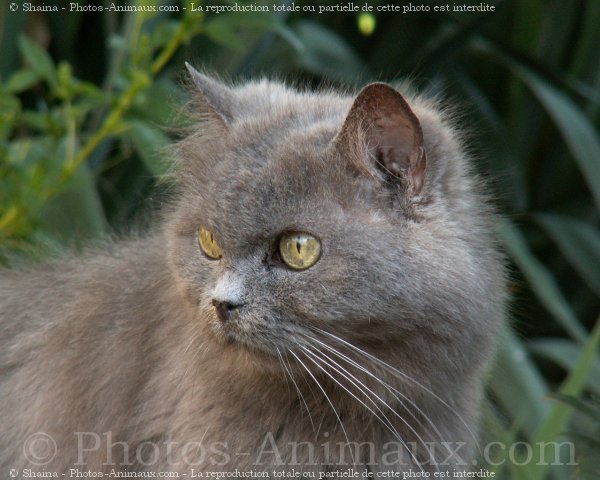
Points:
382	133
215	97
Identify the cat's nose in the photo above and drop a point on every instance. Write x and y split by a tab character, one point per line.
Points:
225	309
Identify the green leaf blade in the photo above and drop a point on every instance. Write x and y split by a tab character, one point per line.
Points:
541	281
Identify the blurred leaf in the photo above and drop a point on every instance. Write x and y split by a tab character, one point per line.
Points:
577	130
565	353
35	120
592	411
222	32
11	26
10	108
540	279
554	34
495	430
556	421
289	35
164	32
518	385
149	142
226	29
437	50
118	43
327	54
509	176
38	59
22	80
528	17
585	60
76	212
157	104
579	242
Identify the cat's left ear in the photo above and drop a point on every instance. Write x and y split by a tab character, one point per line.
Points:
382	120
217	97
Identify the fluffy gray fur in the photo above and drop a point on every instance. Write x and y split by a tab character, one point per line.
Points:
385	340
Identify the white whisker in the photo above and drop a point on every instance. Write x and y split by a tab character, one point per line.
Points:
406	377
280	358
385	421
328	400
300	395
395	392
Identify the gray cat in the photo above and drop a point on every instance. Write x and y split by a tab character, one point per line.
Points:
321	298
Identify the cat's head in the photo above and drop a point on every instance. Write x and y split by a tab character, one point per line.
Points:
301	213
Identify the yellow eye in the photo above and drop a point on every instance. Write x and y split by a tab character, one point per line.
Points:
299	250
208	244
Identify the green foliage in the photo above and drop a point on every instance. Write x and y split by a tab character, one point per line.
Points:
82	133
587	434
54	127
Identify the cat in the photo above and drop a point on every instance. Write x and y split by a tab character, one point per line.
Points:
321	297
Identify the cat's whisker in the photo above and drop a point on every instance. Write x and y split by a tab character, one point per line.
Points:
300	395
396	371
395	392
363	389
354	396
280	358
308	384
371	393
337	416
192	340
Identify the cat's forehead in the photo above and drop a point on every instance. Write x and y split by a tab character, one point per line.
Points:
264	187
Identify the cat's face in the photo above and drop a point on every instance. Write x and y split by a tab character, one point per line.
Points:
292	221
293	195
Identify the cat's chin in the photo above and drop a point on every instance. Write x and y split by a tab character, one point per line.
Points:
230	337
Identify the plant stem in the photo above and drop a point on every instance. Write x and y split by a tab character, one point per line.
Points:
169	50
108	127
111	122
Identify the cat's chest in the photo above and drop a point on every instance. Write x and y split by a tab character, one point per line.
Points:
282	434
218	419
252	447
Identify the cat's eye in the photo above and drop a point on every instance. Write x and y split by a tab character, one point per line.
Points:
209	244
299	250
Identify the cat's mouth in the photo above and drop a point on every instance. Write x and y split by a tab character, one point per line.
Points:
256	335
261	351
237	334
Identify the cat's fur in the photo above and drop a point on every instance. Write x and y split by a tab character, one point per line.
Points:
123	345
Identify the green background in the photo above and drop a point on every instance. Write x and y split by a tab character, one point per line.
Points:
88	101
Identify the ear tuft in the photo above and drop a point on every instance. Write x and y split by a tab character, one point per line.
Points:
381	118
218	98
